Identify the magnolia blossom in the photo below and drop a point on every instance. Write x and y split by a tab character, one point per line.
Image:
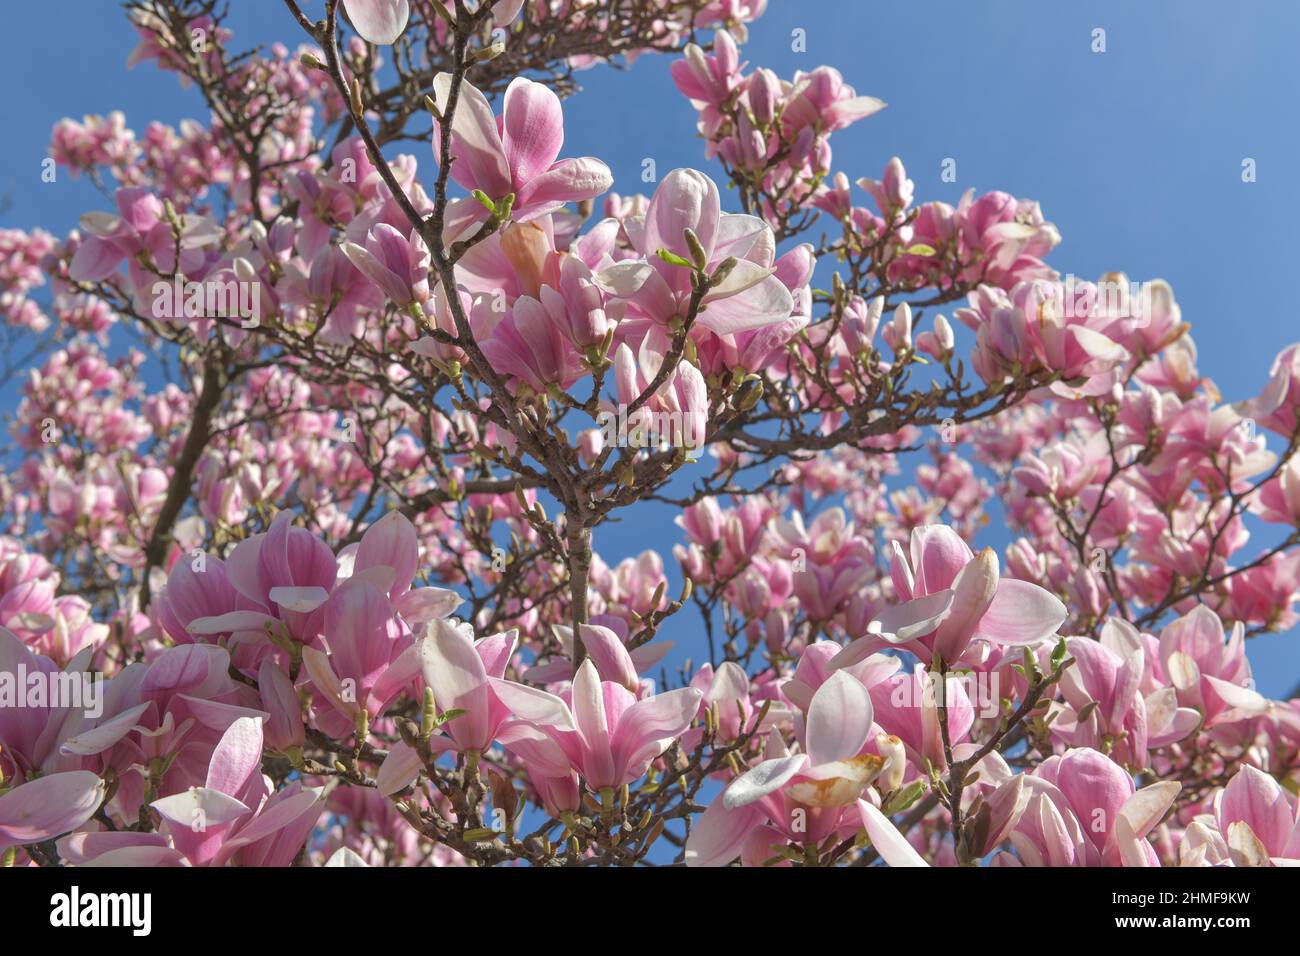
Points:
397	265
602	731
802	797
1253	823
517	154
748	297
1081	810
140	229
952	597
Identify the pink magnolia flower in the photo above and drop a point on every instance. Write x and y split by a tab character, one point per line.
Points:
27	592
1032	328
908	708
1104	705
893	193
823	102
804	797
861	320
1105	708
458	670
276	584
284	727
735	13
515	153
728	687
605	734
285	573
1082	809
678	413
139	228
708	78
195	591
953	597
175	709
1209	675
578	304
1265	594
1010	234
398	265
1253	823
1278	406
53	736
530	346
1279	499
751	296
371	656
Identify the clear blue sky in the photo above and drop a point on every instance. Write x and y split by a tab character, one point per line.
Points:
1134	153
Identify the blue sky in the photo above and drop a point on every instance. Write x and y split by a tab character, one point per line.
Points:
1135	153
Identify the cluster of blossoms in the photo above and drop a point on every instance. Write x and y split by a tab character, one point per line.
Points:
292	548
284	642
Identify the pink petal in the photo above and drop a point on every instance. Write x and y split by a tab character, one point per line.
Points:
901	623
455	672
532	704
48	806
610	655
424	604
399	769
763	304
99	739
199	819
1095	788
296	812
229	623
480	159
839	720
237	756
298	599
1021	613
888	842
539	751
532	129
719	833
390	541
1255	798
94	260
973	591
592	720
648	726
938	555
569	180
763	779
1147	807
379	21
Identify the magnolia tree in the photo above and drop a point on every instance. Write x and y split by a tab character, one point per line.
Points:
316	439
